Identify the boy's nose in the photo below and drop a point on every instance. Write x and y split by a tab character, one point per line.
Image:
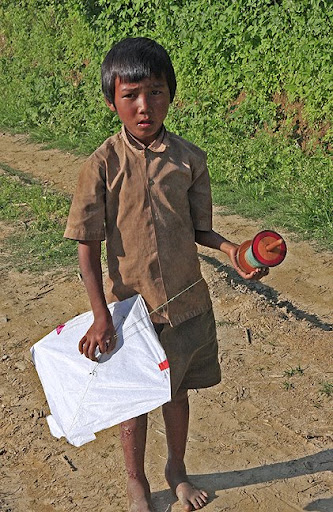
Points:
144	104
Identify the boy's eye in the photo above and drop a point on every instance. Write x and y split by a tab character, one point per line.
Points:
155	92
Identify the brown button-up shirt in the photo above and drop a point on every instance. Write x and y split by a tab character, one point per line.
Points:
147	203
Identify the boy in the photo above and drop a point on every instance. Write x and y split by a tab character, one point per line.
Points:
146	191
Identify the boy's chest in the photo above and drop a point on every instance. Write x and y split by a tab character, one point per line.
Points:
152	176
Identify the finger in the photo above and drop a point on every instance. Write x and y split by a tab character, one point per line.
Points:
111	343
85	348
241	272
251	275
81	343
262	273
103	345
108	345
91	352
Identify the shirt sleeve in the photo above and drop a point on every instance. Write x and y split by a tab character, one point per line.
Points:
86	220
200	196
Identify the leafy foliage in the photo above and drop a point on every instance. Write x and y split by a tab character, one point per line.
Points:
254	89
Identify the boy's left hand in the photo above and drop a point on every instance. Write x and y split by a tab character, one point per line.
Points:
256	275
215	241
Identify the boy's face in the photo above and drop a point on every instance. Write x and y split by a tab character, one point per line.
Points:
142	106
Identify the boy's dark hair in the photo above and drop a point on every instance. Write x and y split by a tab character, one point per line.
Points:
134	59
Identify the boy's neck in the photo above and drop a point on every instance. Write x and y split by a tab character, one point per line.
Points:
142	145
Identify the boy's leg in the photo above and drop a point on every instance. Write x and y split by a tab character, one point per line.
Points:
133	435
176	418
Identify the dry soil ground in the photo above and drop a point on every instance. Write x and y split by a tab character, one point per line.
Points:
259	441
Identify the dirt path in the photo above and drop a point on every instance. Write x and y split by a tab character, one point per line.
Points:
260	441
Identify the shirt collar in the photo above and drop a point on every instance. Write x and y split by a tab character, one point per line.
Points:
158	145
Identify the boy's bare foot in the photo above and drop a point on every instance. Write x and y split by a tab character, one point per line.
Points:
139	497
189	496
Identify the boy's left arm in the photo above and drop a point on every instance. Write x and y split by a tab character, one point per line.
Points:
215	241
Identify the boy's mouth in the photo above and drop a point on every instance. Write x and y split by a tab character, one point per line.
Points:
145	122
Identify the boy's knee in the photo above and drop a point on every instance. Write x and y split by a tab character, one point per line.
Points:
180	396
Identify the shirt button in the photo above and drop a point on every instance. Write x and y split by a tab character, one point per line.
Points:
151	182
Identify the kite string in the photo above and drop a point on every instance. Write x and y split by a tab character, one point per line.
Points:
170	300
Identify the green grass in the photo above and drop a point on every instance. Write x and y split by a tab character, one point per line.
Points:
270	180
38	215
276	210
326	389
247	93
294	371
288	385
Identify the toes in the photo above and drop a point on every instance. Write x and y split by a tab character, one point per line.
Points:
193	498
200	501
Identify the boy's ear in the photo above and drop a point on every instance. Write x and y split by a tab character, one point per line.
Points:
110	105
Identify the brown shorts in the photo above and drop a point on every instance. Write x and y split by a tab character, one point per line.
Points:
192	352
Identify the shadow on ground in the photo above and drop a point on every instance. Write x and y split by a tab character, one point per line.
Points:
317	463
271	295
324	505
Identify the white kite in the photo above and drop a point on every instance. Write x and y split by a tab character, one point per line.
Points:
86	396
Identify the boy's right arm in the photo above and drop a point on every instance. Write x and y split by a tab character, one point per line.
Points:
102	332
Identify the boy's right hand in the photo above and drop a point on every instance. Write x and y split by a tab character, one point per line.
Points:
101	334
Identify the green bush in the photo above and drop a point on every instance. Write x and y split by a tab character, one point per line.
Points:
254	88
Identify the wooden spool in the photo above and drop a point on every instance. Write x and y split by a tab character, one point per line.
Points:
267	249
